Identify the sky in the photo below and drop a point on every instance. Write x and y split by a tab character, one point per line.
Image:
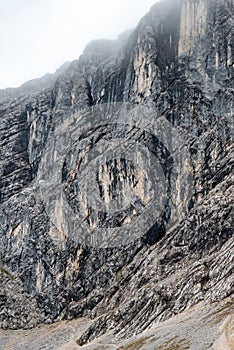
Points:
38	36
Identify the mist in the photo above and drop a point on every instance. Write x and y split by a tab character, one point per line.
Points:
36	37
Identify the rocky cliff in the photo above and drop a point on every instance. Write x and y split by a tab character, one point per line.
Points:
116	187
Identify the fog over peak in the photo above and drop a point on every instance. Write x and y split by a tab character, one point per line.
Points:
36	37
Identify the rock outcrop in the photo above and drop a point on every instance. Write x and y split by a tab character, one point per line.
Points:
196	329
116	185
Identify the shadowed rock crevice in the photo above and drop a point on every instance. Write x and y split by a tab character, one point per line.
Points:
116	178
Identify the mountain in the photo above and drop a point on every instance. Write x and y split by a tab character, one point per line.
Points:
116	186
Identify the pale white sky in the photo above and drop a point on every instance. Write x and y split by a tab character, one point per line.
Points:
37	36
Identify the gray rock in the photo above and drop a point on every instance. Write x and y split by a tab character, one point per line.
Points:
116	184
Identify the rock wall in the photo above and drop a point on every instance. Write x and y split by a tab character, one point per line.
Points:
117	177
192	24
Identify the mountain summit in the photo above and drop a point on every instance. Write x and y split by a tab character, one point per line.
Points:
116	186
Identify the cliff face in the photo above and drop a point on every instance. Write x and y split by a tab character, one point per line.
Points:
116	185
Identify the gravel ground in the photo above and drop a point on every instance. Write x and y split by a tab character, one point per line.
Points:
199	328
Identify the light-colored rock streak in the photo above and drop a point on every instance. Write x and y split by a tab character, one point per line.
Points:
192	24
144	70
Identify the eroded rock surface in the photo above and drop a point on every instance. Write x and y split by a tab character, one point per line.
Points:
116	185
200	327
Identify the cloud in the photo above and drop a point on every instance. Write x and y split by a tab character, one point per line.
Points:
36	37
